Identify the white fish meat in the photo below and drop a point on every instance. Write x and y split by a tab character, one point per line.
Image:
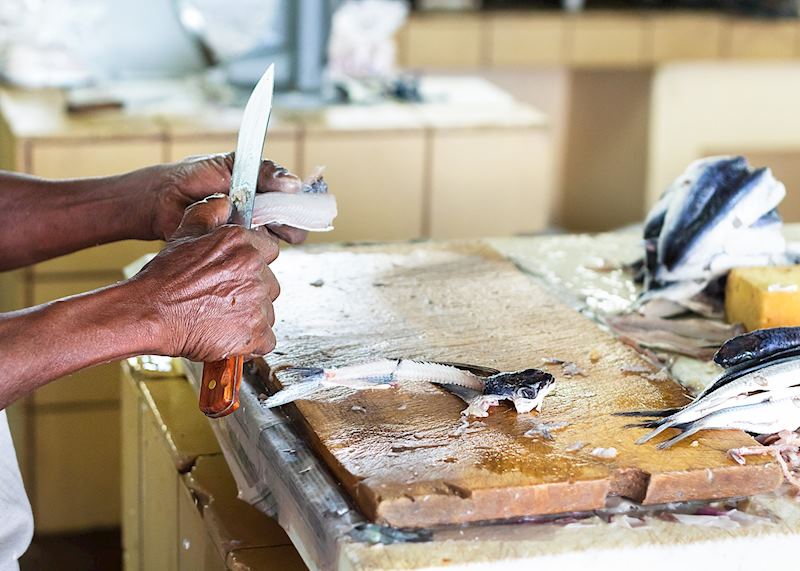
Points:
310	211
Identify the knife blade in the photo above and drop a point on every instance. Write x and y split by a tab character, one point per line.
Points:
219	390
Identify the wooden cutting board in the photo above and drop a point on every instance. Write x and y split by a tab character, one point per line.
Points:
404	455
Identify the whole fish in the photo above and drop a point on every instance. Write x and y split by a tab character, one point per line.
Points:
525	389
758	346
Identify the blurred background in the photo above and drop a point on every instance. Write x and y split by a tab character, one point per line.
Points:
434	119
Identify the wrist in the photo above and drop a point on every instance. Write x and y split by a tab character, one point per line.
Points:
140	323
139	190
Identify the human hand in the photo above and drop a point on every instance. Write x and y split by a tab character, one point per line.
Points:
176	186
212	288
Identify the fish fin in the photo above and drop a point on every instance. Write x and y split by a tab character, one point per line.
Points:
692	428
645	413
464	393
643	424
477	370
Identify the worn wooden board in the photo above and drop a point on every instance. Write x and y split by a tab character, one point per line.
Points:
400	453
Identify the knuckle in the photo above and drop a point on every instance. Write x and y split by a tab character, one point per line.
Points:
234	233
269	341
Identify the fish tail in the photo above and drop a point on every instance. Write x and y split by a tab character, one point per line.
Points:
644	424
290	393
650	435
690	430
652	413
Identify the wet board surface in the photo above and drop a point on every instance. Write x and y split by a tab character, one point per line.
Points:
404	455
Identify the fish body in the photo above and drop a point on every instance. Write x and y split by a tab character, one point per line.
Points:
758	345
525	389
374	375
688	212
749	376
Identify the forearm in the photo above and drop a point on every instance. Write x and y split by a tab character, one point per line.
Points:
43	343
41	219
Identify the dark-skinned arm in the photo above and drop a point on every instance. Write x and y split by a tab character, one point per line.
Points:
205	296
42	219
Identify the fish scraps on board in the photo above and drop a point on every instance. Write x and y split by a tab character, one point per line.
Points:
694	337
525	389
719	214
758	392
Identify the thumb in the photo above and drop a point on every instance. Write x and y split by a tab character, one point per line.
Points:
203	216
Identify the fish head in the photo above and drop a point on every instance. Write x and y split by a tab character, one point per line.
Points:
526	389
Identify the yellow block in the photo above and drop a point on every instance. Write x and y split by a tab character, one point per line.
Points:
763	297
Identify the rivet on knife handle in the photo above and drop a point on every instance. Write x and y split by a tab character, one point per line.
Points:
219	391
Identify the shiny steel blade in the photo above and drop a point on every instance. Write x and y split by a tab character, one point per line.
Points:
250	148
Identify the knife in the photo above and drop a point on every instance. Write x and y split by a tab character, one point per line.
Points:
219	390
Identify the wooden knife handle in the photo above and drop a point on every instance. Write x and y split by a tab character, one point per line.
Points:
219	391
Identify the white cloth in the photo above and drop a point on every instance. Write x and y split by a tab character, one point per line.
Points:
16	518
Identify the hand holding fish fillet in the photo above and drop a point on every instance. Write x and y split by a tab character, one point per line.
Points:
525	389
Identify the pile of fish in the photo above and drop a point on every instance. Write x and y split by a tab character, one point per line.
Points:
718	214
759	391
525	389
